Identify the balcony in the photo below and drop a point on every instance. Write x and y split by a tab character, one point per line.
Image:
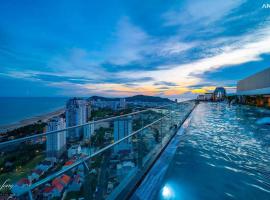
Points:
106	159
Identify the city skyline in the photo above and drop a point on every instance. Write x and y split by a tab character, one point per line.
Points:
169	49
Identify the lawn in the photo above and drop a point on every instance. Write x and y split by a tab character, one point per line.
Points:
23	171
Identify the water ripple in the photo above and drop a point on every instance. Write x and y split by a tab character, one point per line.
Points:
225	150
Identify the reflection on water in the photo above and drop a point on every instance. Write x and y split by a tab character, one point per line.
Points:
223	155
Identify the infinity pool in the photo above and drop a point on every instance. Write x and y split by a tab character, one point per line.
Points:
223	154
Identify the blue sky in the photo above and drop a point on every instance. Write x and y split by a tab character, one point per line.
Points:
121	48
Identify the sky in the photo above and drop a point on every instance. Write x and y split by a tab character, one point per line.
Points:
170	48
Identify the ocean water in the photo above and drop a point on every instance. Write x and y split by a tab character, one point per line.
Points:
14	109
224	154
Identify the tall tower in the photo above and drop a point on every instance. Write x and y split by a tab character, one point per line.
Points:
56	142
88	131
88	110
122	103
122	128
76	114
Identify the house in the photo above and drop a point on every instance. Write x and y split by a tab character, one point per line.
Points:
80	170
74	150
48	192
70	162
65	180
76	183
45	165
58	187
36	174
21	185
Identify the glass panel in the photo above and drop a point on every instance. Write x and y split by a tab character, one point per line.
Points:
98	160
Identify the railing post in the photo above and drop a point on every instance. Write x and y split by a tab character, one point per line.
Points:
30	195
161	131
171	117
139	149
179	111
88	193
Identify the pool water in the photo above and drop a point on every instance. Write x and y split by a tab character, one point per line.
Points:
223	154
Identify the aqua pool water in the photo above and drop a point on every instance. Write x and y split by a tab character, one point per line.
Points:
223	154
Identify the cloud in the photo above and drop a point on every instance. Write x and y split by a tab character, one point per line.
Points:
248	49
129	43
78	69
165	83
199	12
164	88
191	40
133	44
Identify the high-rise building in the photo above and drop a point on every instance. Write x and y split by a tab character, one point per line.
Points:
88	131
122	128
122	103
255	89
56	142
88	110
76	114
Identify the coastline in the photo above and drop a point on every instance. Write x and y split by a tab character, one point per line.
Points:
43	118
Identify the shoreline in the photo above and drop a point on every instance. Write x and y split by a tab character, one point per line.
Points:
25	122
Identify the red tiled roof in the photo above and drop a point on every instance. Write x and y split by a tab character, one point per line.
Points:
55	181
59	187
23	181
48	189
70	162
57	184
65	179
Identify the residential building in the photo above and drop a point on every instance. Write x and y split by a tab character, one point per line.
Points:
255	89
122	128
56	142
35	175
45	165
74	150
88	131
76	114
76	183
88	110
114	105
208	96
201	97
21	185
122	103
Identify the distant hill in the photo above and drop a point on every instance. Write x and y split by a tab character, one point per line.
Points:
136	98
95	98
144	98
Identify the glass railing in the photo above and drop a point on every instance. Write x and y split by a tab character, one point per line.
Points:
102	159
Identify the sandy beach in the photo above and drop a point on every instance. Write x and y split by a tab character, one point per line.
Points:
44	118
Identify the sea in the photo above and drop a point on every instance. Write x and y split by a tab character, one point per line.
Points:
15	109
